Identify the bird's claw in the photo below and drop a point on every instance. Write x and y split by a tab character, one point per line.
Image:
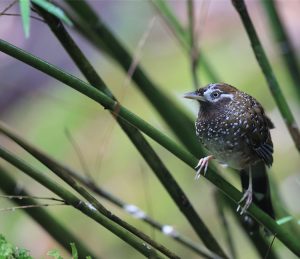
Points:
248	197
202	164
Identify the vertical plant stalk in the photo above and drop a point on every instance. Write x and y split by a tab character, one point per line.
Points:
58	231
180	34
268	72
79	204
155	163
108	103
284	42
193	46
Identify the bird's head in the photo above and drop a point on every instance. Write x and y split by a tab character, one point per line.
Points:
213	95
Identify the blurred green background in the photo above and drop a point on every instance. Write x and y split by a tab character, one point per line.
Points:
41	109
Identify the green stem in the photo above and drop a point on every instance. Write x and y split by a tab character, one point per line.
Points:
58	231
136	137
146	218
92	27
63	172
84	207
268	72
182	154
193	47
284	42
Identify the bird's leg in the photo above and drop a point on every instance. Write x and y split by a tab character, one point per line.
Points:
202	164
247	196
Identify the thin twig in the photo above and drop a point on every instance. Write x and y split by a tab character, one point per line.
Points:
18	15
138	53
136	60
31	206
147	196
193	46
270	247
8	7
79	154
21	197
58	231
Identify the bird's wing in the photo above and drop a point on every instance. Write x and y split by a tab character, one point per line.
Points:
257	132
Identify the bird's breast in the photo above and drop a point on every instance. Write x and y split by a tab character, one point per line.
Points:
225	141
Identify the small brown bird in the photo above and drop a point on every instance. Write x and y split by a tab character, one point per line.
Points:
233	127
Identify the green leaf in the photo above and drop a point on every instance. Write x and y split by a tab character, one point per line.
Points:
21	253
6	249
54	253
25	13
74	251
56	11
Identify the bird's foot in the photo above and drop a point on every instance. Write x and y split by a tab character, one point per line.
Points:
202	164
247	197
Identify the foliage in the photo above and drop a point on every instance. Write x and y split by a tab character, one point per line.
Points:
10	251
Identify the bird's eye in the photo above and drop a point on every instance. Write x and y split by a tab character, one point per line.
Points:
215	94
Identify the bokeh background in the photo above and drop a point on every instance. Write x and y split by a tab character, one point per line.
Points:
42	109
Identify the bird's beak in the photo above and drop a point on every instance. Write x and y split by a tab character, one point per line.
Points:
194	96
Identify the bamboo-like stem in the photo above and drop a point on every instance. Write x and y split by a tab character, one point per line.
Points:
79	204
146	218
268	72
58	231
65	173
91	26
284	42
62	172
137	138
108	103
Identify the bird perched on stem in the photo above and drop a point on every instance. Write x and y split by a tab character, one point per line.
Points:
232	125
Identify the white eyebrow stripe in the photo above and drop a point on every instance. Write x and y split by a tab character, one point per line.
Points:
207	94
230	96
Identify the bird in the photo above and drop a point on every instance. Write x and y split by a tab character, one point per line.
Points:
234	128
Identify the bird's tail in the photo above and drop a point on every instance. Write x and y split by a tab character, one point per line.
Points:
261	192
